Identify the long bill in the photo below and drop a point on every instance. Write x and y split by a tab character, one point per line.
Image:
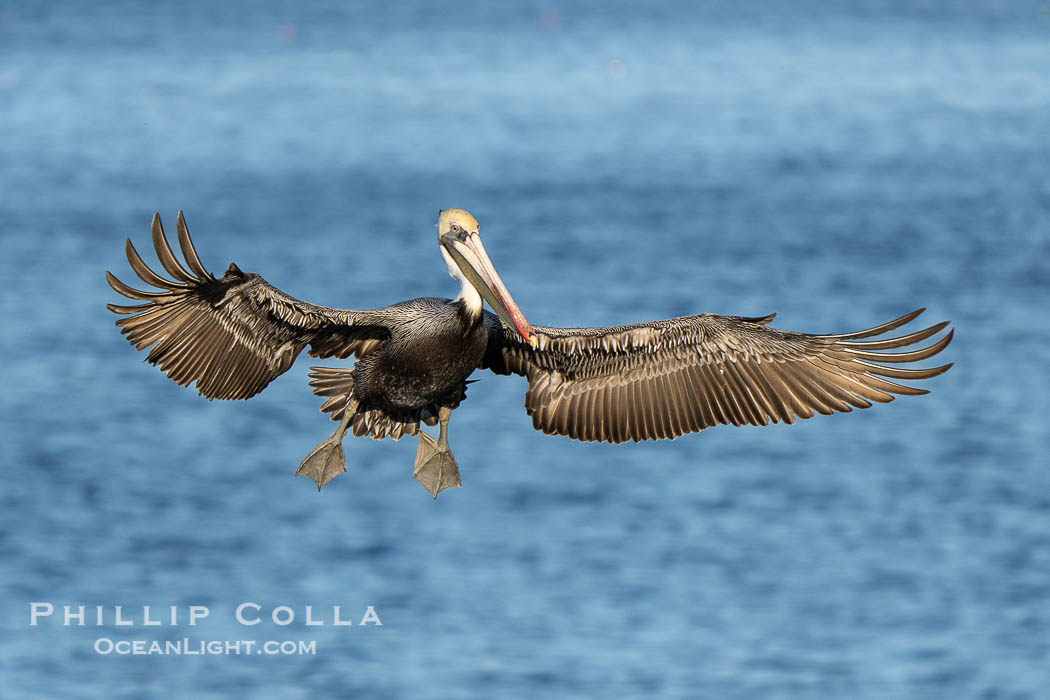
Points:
474	263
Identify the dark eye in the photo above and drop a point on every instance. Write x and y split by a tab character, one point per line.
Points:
456	228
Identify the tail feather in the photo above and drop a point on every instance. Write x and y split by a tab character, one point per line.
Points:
376	423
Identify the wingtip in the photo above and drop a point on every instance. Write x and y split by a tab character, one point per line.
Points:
938	327
908	318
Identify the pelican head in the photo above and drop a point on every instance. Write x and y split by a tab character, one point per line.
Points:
468	262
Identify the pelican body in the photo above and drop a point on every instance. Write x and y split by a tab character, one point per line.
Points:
660	379
422	363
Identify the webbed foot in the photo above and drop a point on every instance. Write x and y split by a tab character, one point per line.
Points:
436	468
325	462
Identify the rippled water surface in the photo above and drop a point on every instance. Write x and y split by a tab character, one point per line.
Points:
839	165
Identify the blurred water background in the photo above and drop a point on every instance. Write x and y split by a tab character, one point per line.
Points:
839	163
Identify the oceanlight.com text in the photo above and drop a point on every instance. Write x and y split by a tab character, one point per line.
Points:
213	647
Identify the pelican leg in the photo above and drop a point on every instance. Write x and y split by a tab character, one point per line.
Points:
436	468
327	460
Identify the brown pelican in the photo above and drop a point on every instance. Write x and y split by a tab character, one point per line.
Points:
654	380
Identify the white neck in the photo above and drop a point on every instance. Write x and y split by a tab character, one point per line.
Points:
467	294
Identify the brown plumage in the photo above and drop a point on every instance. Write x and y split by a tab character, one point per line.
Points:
233	336
661	379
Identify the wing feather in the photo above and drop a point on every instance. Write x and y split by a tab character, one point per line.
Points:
667	378
188	251
232	336
164	253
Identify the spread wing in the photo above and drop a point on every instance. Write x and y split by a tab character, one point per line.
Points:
666	378
232	336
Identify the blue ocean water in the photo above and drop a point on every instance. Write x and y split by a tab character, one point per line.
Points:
839	163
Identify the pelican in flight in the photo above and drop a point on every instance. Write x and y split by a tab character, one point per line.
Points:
644	381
